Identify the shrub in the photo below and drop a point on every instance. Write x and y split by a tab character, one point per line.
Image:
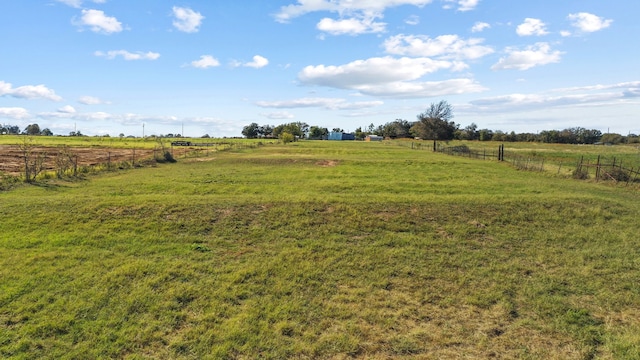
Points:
616	174
580	174
168	157
287	137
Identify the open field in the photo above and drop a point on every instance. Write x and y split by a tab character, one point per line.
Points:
95	151
328	250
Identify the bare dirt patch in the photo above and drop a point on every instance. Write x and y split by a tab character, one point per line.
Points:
12	158
327	163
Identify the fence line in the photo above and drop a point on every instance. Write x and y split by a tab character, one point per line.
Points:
602	169
64	162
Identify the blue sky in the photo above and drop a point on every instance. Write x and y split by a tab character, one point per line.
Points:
212	67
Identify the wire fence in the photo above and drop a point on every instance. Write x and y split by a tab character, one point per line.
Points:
602	169
28	163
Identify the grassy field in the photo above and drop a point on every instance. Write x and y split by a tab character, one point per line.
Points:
111	142
328	250
562	154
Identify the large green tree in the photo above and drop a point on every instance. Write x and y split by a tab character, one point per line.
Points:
317	132
251	131
435	123
32	129
297	129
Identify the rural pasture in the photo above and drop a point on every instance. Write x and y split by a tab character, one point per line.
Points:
322	250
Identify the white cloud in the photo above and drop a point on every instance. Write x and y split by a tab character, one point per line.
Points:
467	5
205	62
68	109
187	20
98	22
401	89
389	77
371	71
78	3
28	92
16	113
348	7
463	5
139	55
480	26
444	46
532	26
324	103
72	3
596	95
90	100
586	22
565	33
281	115
258	62
412	20
352	26
535	55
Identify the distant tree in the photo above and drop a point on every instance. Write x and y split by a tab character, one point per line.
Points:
46	132
526	137
499	135
297	129
122	135
251	131
317	133
206	136
471	132
403	128
632	139
586	136
9	130
32	129
76	133
549	136
389	130
435	123
485	135
266	131
612	138
337	130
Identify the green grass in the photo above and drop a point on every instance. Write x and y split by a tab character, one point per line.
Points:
112	142
320	250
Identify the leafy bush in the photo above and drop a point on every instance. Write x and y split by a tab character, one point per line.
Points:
287	137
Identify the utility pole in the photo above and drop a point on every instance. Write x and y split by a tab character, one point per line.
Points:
143	130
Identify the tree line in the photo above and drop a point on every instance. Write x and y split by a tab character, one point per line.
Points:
31	129
436	123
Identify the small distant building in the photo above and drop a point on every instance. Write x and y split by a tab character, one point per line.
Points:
373	138
336	135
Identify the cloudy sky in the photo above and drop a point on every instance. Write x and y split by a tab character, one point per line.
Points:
212	67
